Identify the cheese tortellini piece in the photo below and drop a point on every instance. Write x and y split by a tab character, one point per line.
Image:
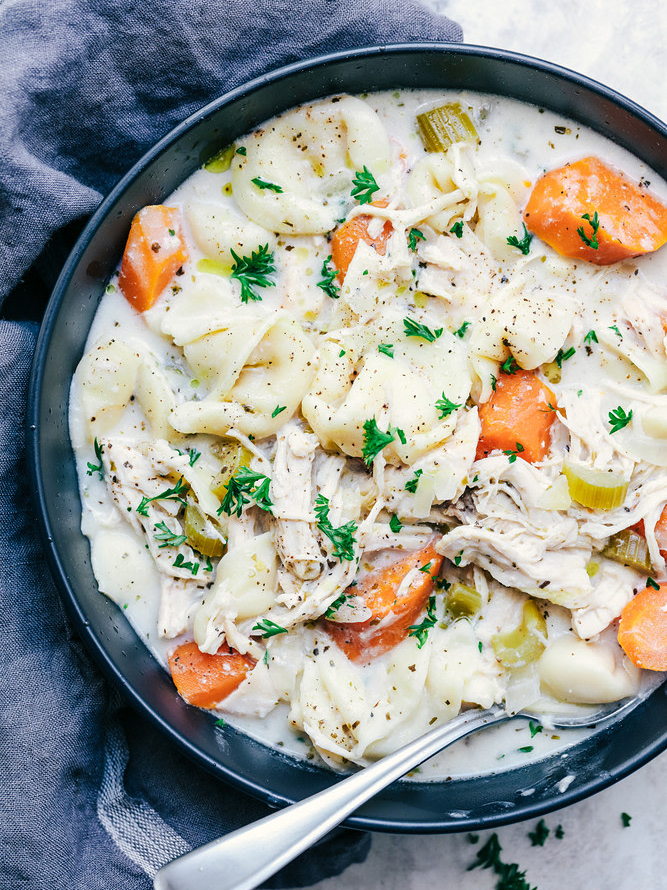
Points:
587	673
310	157
108	375
218	230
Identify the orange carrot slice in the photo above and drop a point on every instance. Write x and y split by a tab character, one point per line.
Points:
154	252
518	417
631	220
642	630
391	616
346	239
205	680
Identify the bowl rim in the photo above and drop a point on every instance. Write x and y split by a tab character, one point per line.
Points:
110	670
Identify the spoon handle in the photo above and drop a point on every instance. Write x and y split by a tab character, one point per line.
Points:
244	858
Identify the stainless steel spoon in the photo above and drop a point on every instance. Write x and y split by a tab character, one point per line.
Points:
244	858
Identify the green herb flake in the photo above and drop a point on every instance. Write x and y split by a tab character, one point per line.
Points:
509	876
336	604
512	453
278	410
420	631
96	468
591	337
194	456
595	225
614	328
328	278
445	407
179	563
416	329
461	332
374	441
625	819
266	186
265	659
269	628
364	186
526	749
524	244
415	235
559	832
618	419
341	353
395	524
241	150
651	583
110	289
253	271
386	349
479	645
457	229
458	557
170	494
167	536
411	484
244	486
564	356
342	537
426	567
534	728
494	382
509	366
221	722
539	836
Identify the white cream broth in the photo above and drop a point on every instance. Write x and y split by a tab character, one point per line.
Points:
162	391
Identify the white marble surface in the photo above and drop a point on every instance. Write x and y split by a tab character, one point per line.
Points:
622	43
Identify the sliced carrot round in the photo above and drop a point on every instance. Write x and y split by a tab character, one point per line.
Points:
642	630
346	239
205	680
563	205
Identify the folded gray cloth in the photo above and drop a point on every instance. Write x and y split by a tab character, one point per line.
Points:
91	794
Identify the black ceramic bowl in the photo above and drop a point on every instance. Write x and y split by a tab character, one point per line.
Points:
412	807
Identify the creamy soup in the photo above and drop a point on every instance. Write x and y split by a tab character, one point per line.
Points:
370	426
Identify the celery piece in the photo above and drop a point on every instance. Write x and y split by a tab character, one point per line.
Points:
199	532
214	267
597	489
463	600
441	127
221	161
232	455
518	647
629	548
552	372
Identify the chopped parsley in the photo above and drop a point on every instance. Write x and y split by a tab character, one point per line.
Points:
526	749
241	150
591	337
336	604
244	486
269	628
170	539
494	382
414	235
417	329
539	836
445	407
426	567
342	537
221	721
341	353
374	440
265	659
411	484
327	283
96	468
395	524
595	225
625	819
278	410
559	832
509	366
179	563
512	453
364	186
264	185
509	876
524	244
253	271
194	456
170	494
651	583
461	332
457	229
458	557
614	328
564	356
387	349
420	631
534	728
618	419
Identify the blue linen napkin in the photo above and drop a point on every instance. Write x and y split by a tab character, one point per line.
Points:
91	795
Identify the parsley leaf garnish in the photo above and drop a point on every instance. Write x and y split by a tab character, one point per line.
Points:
524	244
651	583
534	728
494	382
336	604
618	419
365	186
591	337
421	630
446	407
625	819
171	494
246	482
93	468
457	229
411	484
595	225
242	150
253	271
414	235
395	524
374	441
342	537
278	410
564	356
269	628
194	456
509	366
327	283
614	328
221	721
417	329
539	836
171	539
179	563
387	349
263	184
510	878
512	453
462	330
